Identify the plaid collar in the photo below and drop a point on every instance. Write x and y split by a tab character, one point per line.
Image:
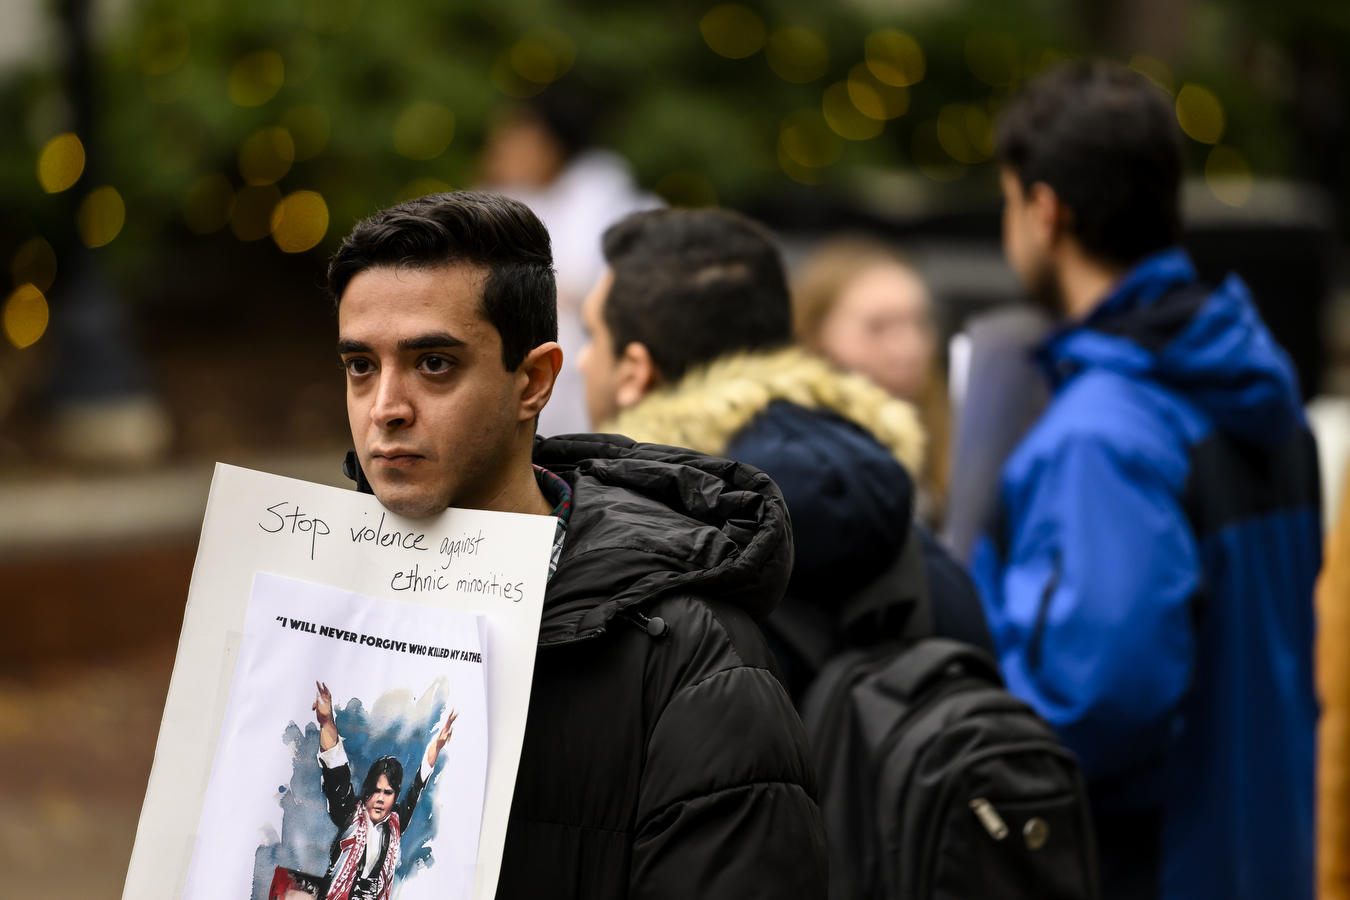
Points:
557	492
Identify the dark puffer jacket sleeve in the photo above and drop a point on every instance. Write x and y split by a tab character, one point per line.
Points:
727	801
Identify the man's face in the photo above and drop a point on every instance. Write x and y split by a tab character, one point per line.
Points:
380	803
522	152
434	415
1029	230
597	361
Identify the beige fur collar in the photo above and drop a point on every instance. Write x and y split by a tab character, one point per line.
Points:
712	404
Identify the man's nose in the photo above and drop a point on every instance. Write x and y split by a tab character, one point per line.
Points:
393	406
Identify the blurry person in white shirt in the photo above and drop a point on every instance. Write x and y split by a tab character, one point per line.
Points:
540	152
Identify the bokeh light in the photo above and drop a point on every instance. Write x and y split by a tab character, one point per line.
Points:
1155	70
544	55
733	30
894	57
164	48
256	78
806	143
966	133
798	54
993	58
61	163
532	63
875	98
796	171
208	204
331	16
686	189
101	216
424	130
843	116
266	155
931	158
299	221
251	219
506	79
1228	175
34	263
25	316
310	129
421	187
1200	114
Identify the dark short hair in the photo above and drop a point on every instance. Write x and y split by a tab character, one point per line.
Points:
520	295
390	768
1107	141
570	113
695	285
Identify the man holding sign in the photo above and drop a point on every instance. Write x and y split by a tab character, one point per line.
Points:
662	755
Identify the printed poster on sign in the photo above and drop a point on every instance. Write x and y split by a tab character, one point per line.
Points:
353	755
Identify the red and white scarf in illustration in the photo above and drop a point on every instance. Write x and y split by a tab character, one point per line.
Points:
353	851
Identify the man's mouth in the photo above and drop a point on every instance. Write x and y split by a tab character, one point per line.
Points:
395	457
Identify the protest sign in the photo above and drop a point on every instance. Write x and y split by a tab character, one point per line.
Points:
410	658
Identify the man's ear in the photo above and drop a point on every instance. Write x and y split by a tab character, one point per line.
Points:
634	375
540	368
1051	218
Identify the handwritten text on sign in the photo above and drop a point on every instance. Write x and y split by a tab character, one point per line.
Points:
286	518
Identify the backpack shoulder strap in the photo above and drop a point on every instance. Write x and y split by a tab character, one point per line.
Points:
895	606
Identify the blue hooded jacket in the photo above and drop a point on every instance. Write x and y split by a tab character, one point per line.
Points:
1149	584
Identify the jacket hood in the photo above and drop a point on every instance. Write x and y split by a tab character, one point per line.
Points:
650	520
1209	345
712	404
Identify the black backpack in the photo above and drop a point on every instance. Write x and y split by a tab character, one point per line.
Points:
934	781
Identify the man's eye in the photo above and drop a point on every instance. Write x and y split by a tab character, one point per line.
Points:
435	365
358	366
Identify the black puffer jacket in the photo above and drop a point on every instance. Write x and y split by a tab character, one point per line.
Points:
670	766
841	450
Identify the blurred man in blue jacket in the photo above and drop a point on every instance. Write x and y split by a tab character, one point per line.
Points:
1149	580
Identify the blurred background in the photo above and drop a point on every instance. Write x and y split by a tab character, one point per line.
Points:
174	174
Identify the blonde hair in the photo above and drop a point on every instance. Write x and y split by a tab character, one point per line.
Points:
816	291
826	274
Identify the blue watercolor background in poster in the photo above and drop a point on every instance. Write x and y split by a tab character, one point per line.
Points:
397	724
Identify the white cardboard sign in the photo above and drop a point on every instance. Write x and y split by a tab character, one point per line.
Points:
486	563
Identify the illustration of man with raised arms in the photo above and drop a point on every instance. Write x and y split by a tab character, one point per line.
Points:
365	853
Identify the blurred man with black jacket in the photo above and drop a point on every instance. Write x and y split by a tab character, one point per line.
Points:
691	346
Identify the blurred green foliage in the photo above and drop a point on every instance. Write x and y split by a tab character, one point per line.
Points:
184	85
